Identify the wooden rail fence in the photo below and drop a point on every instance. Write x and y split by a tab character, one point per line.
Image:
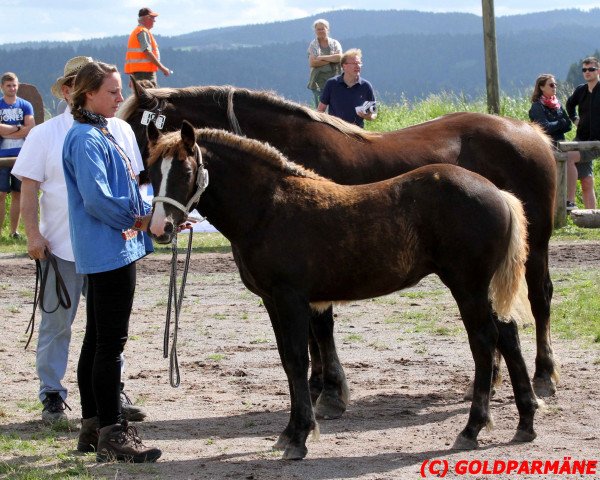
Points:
560	208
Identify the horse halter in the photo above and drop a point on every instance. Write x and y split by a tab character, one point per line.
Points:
201	184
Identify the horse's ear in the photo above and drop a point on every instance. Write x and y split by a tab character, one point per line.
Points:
153	133
188	135
140	92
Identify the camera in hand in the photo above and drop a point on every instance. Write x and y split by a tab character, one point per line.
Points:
367	107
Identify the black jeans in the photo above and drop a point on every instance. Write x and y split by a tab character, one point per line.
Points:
109	302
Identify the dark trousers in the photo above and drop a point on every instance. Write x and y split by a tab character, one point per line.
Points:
109	301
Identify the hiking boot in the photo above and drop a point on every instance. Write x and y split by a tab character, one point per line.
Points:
88	435
571	206
121	443
16	236
54	408
129	411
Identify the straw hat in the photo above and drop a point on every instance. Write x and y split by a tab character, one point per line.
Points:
71	69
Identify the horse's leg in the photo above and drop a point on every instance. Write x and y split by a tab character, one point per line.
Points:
496	377
315	381
293	317
540	295
476	313
274	317
333	398
509	345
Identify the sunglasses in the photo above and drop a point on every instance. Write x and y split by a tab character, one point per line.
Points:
589	69
552	85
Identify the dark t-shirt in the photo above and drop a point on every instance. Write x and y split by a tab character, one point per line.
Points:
343	100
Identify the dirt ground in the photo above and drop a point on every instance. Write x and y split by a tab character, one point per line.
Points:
406	358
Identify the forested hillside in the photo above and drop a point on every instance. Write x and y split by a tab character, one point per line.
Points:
407	54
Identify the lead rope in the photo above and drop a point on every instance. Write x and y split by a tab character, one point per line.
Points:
62	294
174	300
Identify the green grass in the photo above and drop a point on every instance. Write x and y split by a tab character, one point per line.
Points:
353	338
216	357
202	242
31	456
576	305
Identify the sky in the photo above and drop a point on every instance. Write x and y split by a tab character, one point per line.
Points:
65	20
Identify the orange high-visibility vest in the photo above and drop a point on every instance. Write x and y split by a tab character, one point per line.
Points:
135	58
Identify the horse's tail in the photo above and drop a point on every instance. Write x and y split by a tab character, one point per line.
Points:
507	278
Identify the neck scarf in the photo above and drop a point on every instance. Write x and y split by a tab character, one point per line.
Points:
94	119
551	102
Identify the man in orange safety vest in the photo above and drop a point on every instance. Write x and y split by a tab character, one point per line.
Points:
142	59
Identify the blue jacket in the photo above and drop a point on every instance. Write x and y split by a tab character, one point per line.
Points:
104	200
554	122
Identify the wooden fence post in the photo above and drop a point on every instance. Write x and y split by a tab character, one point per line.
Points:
560	205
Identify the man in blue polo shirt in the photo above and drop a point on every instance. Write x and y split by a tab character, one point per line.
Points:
349	96
16	119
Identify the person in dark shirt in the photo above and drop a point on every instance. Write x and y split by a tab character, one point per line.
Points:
349	96
583	108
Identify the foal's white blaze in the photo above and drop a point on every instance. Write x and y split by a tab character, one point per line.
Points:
159	217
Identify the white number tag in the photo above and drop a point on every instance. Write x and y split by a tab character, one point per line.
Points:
160	122
148	117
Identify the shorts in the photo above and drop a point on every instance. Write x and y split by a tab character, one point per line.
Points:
8	182
585	164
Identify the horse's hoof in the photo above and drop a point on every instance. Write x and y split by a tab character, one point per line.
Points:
544	387
294	453
328	408
464	443
523	436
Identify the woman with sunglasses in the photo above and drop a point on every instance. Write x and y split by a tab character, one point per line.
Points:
547	111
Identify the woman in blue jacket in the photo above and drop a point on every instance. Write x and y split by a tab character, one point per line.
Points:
547	111
108	219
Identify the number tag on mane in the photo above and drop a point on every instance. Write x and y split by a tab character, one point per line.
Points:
149	116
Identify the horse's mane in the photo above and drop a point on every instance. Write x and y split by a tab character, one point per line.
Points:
263	97
170	143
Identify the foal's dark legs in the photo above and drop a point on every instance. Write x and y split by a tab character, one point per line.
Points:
510	347
329	389
290	316
477	318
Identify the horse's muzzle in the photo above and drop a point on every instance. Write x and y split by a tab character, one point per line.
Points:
162	232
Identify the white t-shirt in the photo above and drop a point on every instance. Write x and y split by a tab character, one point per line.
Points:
40	159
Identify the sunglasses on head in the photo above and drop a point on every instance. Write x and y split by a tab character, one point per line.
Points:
589	69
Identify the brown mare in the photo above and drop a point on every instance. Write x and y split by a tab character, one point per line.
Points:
301	242
514	155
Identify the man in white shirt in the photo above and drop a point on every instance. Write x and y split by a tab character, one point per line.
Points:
39	166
